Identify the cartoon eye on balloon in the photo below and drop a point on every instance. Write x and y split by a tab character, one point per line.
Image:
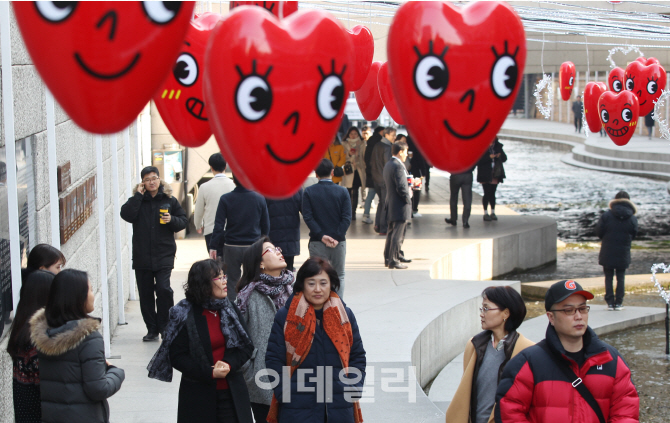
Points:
55	11
431	74
572	81
253	96
604	116
161	12
616	85
330	95
652	85
504	73
627	114
630	83
186	69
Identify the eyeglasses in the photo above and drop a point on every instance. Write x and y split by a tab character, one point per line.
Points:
147	180
277	250
572	310
485	309
220	278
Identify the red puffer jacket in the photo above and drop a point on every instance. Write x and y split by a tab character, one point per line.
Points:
534	389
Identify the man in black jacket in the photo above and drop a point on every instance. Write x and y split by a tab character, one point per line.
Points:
241	219
326	208
399	203
381	154
156	215
369	182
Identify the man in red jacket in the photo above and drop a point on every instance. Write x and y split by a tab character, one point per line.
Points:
546	383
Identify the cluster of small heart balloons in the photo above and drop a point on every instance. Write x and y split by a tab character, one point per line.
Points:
272	87
632	93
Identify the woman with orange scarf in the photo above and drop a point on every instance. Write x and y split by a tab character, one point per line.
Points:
317	333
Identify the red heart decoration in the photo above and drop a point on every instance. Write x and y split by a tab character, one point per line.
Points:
364	47
274	109
103	61
455	73
277	8
180	100
646	82
615	80
386	93
592	93
566	79
367	97
619	114
648	61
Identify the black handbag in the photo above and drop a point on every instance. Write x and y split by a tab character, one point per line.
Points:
337	171
348	168
498	170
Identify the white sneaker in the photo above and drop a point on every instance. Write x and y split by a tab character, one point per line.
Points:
417	215
368	220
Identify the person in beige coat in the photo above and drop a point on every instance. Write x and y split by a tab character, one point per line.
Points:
354	147
486	355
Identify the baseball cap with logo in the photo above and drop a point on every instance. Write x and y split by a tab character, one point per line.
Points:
562	290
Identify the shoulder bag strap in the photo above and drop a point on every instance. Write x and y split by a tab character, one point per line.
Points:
577	382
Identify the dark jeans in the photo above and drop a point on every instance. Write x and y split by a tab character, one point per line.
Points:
609	281
260	412
155	311
225	407
219	251
289	262
463	182
489	196
232	259
353	193
394	240
380	216
416	197
578	122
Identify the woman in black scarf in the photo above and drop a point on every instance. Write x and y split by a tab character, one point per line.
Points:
206	341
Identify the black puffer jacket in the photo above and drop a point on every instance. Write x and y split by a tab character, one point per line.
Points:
154	246
285	223
75	380
617	227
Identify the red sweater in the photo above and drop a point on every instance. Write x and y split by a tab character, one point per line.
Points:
218	342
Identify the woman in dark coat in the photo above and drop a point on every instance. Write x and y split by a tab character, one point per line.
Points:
313	321
285	225
490	173
207	342
419	169
617	227
369	182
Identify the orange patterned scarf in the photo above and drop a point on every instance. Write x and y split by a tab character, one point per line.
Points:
299	334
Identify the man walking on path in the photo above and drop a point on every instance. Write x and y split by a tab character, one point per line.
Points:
570	376
209	195
241	218
460	181
155	215
577	111
381	154
374	139
399	203
326	209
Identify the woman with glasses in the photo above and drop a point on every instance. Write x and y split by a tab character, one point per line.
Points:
207	342
263	289
487	353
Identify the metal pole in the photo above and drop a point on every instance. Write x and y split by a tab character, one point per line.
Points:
100	189
128	172
138	151
53	170
117	230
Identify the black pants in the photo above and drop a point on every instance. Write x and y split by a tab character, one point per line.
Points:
609	281
155	311
225	407
578	122
232	258
463	182
260	412
415	200
394	239
489	196
380	216
219	251
289	262
353	193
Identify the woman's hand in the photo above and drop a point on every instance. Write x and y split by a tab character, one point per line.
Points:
220	370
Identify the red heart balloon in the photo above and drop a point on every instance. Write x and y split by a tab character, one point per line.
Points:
615	80
180	100
273	108
280	9
367	97
648	61
619	114
566	79
386	94
364	47
103	61
592	93
455	73
646	82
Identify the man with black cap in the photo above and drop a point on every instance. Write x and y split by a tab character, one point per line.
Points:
571	375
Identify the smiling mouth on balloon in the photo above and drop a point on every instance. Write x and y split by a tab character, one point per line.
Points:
643	102
289	161
196	108
99	75
617	132
466	136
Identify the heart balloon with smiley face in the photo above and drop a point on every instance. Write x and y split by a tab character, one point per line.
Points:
280	9
566	79
645	81
103	60
364	47
274	109
386	93
368	98
455	72
616	80
180	100
619	114
592	93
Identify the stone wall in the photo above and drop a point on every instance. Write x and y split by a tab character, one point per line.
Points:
78	147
